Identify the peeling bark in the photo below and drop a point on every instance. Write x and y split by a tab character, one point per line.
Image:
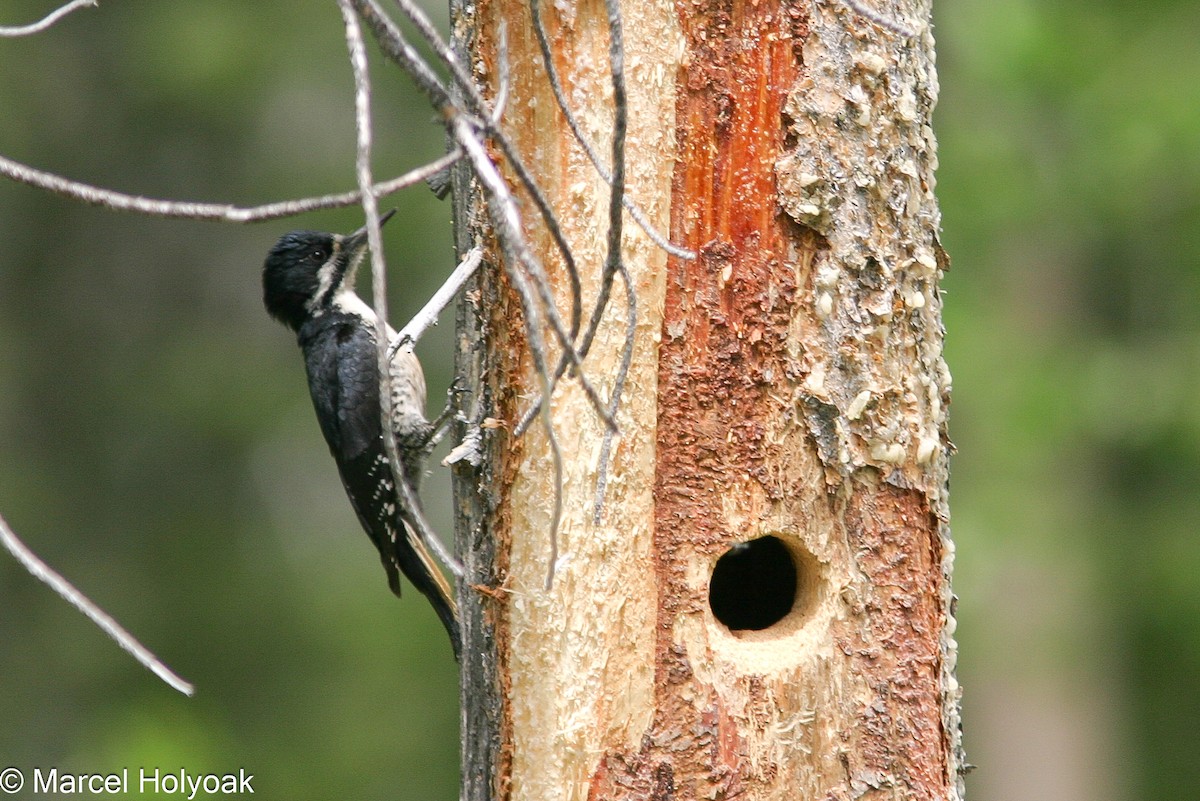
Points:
787	383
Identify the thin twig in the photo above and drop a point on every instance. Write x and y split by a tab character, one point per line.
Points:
507	224
480	108
397	48
616	58
48	20
385	30
394	46
420	529
616	181
614	264
488	120
882	20
502	74
45	574
219	212
618	387
571	354
428	314
560	97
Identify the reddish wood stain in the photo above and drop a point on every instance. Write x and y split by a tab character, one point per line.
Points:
894	536
725	320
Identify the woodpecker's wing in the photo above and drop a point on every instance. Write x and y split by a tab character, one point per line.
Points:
369	483
357	392
344	382
343	379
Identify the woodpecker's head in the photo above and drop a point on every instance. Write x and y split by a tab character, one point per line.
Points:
305	271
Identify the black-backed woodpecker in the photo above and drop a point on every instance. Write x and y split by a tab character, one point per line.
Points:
308	285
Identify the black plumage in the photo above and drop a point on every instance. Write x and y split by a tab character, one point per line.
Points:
307	284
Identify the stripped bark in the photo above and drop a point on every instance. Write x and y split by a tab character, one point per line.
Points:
786	383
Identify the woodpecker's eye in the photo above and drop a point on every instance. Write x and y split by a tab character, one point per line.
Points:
317	255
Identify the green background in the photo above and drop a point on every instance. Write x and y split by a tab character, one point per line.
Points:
160	451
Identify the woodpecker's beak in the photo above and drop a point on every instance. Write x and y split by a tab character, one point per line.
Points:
352	243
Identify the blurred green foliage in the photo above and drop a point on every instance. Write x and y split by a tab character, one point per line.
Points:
1070	191
160	451
159	446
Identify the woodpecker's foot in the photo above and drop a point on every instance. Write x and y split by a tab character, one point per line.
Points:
439	183
441	423
457	387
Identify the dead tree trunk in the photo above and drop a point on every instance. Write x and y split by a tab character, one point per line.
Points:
787	396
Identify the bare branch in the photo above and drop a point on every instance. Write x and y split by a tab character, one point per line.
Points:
420	529
560	97
507	224
490	125
393	44
48	20
219	212
616	59
617	195
614	264
618	387
882	20
397	48
427	316
45	574
502	74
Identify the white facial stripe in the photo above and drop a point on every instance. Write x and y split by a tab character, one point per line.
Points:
325	278
352	270
344	299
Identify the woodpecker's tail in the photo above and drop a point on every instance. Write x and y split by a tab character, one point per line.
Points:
419	566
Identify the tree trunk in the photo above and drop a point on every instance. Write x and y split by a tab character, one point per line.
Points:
787	396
